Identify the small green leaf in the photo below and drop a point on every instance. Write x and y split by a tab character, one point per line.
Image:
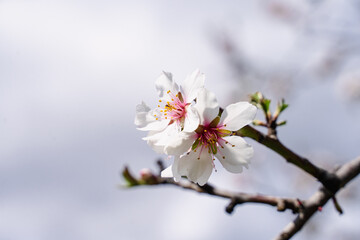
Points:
265	104
281	123
214	122
195	144
130	180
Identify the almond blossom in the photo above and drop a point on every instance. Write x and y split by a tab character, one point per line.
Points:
174	113
213	138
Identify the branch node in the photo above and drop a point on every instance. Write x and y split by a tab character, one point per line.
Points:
281	206
337	205
230	207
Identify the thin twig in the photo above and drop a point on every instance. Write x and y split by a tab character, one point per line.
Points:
237	198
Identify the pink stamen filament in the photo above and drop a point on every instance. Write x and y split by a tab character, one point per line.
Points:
212	139
174	109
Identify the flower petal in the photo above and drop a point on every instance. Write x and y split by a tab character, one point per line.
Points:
196	170
207	106
192	84
192	119
152	140
237	115
142	117
235	154
164	84
167	172
176	142
145	119
155	125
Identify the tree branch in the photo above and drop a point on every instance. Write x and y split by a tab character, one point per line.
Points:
345	174
238	197
329	180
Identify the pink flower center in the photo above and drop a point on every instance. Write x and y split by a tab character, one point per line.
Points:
174	109
210	137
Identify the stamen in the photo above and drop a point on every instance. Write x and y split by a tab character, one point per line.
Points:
223	157
168	91
160	101
233	145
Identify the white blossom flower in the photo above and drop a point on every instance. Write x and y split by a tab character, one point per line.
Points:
213	138
175	112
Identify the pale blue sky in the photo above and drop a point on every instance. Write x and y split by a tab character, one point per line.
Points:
71	74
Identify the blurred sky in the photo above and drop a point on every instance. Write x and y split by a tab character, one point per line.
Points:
71	74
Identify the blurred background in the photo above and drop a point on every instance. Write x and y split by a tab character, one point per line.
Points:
72	72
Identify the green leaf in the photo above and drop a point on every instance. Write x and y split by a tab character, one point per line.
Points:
195	144
281	123
130	180
214	122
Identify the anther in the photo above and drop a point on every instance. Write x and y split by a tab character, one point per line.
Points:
168	91
159	100
198	158
233	145
223	157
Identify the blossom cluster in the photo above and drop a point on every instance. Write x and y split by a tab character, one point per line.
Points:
189	125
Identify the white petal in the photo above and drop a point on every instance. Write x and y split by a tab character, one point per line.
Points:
141	116
192	119
165	83
235	157
179	143
193	83
152	140
207	106
155	125
145	119
237	115
167	172
196	170
175	142
175	169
